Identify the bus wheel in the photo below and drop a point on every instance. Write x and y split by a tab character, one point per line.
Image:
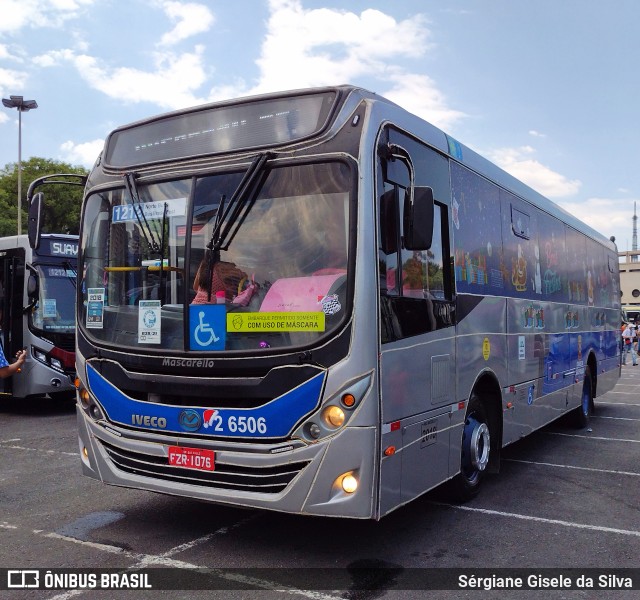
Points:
476	447
582	414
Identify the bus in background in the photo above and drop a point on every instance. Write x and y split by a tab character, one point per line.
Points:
316	302
38	314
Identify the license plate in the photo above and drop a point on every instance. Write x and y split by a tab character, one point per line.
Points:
191	458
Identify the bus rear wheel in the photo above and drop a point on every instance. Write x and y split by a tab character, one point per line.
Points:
475	451
582	414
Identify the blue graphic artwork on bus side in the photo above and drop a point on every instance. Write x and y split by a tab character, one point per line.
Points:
275	419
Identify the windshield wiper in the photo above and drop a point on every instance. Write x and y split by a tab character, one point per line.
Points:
130	183
240	204
229	219
156	245
162	240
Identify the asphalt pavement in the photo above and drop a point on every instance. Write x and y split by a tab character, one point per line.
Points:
564	499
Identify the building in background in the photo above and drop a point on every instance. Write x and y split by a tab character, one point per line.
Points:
630	274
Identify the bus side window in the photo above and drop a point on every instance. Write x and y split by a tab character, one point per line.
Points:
423	270
413	284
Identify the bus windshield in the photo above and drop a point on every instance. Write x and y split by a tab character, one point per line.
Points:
148	280
54	311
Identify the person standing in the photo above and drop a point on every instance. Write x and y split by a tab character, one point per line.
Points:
628	335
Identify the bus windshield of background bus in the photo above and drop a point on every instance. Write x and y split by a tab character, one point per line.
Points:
280	283
54	311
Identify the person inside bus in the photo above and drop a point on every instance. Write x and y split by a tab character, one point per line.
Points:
226	277
6	369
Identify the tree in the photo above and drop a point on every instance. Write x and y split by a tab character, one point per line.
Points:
61	208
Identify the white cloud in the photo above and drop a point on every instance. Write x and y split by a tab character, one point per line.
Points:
54	58
609	216
306	48
534	133
11	82
170	85
519	162
419	95
302	48
19	14
84	153
190	19
327	46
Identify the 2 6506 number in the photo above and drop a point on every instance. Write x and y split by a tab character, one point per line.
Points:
240	424
247	424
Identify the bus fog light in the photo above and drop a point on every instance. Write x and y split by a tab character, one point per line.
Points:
314	430
349	483
85	452
334	416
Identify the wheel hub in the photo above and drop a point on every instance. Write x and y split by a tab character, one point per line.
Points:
476	446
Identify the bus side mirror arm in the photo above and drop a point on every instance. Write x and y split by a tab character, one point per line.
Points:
418	204
36	201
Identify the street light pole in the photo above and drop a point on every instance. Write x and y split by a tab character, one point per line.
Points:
22	106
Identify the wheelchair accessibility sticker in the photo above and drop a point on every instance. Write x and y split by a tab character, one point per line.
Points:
207	327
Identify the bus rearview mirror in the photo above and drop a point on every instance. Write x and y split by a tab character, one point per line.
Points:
35	218
418	219
32	286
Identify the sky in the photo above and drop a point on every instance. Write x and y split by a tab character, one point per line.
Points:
547	89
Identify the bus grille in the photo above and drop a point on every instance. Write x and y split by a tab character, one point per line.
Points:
264	480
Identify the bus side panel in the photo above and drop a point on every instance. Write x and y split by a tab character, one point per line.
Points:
481	343
418	388
425	452
539	365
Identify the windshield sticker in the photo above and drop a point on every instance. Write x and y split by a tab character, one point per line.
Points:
275	321
149	322
95	308
60	272
149	210
49	308
207	327
330	304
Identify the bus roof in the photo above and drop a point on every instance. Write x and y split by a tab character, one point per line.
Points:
159	137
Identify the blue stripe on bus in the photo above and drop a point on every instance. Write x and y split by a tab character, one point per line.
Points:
272	420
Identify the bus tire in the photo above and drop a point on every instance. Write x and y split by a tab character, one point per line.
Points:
582	414
475	451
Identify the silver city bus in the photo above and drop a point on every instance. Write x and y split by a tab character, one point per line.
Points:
37	313
316	302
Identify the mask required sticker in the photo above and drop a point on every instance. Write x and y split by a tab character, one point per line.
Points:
276	321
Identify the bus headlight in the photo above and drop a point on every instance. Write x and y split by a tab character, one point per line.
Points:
333	416
337	410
